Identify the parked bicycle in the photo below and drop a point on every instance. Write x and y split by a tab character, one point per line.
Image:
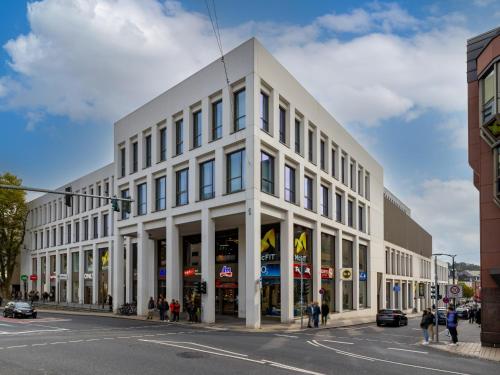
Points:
128	309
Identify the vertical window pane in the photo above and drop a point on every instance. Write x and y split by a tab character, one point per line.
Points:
350	214
282	125
236	171
134	156
148	151
328	270
324	201
182	187
363	276
347	262
207	180
297	136
289	184
338	207
124	213
122	157
322	155
308	193
179	137
160	188
264	111
267	173
197	129
141	199
239	110
310	137
217	120
163	144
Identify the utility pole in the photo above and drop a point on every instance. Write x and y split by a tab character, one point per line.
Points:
437	296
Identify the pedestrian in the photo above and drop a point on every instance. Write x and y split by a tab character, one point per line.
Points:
1	300
472	313
151	307
424	324
451	324
316	313
110	302
172	310
478	316
432	320
325	310
177	310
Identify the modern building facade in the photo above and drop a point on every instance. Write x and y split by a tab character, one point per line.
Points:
483	81
251	187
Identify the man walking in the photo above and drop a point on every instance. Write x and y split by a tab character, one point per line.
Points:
110	302
151	307
451	324
316	311
472	313
424	324
325	310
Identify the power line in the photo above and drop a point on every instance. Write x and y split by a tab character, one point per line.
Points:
215	27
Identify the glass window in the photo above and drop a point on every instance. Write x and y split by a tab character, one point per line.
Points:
308	193
236	171
322	160
347	262
334	159
239	110
181	190
54	236
264	111
124	213
141	199
68	232
338	207
197	129
267	173
352	176
367	186
328	270
85	229
289	184
148	151
161	193
163	144
297	136
342	169
350	213
310	147
363	276
179	137
324	201
282	125
105	225
361	219
302	268
122	163
95	227
135	157
77	232
207	190
217	120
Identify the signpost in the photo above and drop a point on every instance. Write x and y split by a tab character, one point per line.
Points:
454	291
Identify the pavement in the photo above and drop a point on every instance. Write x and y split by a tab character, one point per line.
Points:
86	344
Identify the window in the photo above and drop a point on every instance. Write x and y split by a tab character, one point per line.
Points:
324	201
141	199
85	230
387	262
77	232
289	184
125	205
267	173
347	262
61	235
350	213
338	207
297	136
496	164
352	176
105	225
264	111
282	125
334	161
207	190
95	227
308	193
360	181
197	129
84	199
217	120
181	189
363	276
310	145
135	156
161	193
122	162
147	142
322	161
236	171
99	193
328	270
68	232
342	169
488	95
54	236
239	110
367	186
179	137
163	144
361	219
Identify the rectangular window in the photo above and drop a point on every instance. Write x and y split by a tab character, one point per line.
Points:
135	156
179	137
367	186
217	120
350	213
91	199
310	145
161	193
99	191
235	171
181	189
68	231
125	205
77	231
141	199
264	111
322	161
282	125
352	176
197	129
95	229
239	110
361	227
105	225
324	201
334	159
122	162
328	270
85	230
297	136
163	144
267	173
289	184
363	276
147	143
347	262
61	235
360	181
308	193
207	190
338	207
54	236
488	95
342	170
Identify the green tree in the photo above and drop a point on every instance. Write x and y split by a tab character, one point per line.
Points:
467	291
13	214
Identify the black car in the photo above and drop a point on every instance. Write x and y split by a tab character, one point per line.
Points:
19	310
392	317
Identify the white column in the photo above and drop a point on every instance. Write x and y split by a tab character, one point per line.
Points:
144	254
117	272
286	268
81	270
173	261
241	271
252	258
400	294
208	266
392	299
128	271
111	265
316	261
355	273
338	266
39	274
47	272
58	271
95	274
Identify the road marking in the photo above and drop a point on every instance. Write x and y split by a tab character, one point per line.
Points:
58	342
208	347
340	342
290	336
92	340
408	350
16	346
313	344
39	344
108	338
76	341
292	368
32	331
391	362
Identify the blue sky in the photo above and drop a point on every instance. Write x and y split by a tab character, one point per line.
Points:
393	73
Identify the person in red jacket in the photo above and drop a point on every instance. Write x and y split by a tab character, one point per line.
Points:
177	309
172	310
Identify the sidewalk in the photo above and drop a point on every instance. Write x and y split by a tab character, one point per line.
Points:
471	349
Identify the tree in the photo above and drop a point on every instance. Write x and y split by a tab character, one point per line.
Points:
467	291
13	214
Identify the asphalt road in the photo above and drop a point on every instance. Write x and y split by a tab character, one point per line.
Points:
72	344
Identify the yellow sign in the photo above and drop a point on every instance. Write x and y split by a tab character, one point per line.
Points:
301	243
346	274
105	258
268	241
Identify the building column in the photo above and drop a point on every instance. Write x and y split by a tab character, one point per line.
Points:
95	274
253	264
145	253
392	299
316	261
241	271
400	294
39	274
286	268
173	261
128	271
58	271
47	272
338	266
81	270
208	266
117	272
69	276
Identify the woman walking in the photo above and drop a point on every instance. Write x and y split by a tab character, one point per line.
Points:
151	307
424	324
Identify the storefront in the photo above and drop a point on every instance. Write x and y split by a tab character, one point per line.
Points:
75	277
363	276
302	268
347	283
270	270
226	272
62	277
161	268
191	266
43	281
103	275
328	271
88	276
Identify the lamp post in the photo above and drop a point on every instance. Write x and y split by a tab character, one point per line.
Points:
436	283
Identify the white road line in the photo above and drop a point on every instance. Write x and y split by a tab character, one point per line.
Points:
16	346
58	342
108	338
292	368
408	350
39	344
32	331
313	344
290	336
392	362
340	342
208	347
123	337
76	341
92	340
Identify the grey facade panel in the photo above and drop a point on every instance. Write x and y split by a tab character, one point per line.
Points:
474	48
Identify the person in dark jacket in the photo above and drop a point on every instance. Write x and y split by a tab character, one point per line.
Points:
478	316
424	324
151	308
325	310
451	324
316	311
110	302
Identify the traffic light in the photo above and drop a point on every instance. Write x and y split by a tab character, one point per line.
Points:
203	288
433	292
68	197
126	206
439	296
114	204
306	288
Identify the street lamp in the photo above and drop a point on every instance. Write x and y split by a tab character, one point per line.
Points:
436	283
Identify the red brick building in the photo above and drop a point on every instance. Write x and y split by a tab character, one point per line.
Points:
483	80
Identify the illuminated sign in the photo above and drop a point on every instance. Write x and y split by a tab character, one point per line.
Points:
269	240
306	271
301	243
346	274
87	276
268	257
326	273
270	270
163	272
226	271
363	276
190	272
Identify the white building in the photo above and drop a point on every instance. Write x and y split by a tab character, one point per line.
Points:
235	185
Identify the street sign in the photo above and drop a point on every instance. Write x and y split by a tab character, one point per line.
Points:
33	277
454	291
362	276
24	277
446	300
346	274
396	288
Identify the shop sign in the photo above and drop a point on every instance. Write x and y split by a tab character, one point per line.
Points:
189	272
24	277
299	258
226	271
363	276
346	274
268	257
162	273
219	284
306	271
63	276
326	273
33	277
87	276
270	270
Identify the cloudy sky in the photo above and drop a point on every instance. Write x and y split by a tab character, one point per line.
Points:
393	73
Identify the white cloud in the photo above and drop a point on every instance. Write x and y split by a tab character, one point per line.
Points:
449	210
455	131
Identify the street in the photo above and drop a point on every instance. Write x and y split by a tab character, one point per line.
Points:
63	344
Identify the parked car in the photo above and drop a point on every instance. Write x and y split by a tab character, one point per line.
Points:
441	316
19	310
392	317
463	312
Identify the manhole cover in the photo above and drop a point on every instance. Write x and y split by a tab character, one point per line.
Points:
191	355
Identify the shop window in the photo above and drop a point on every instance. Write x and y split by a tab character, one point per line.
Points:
347	285
328	270
363	276
270	270
302	268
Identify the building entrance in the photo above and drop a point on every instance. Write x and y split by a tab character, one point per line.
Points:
226	272
191	274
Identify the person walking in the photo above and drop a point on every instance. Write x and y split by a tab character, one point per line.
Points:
451	324
309	312
477	315
177	310
110	302
432	319
472	313
151	308
316	313
172	310
424	324
325	310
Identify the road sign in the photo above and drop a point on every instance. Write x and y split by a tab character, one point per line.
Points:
396	288
322	291
24	277
33	277
346	274
446	300
454	291
362	276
